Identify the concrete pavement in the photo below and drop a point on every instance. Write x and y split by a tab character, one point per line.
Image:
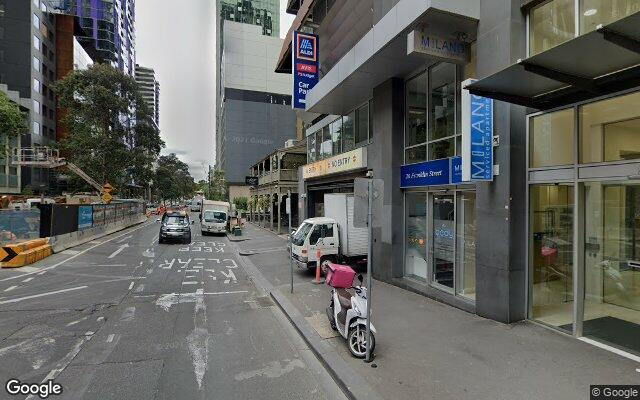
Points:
123	317
429	350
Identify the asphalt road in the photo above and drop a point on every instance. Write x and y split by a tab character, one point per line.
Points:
124	317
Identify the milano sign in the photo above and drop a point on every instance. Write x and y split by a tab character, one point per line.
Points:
306	66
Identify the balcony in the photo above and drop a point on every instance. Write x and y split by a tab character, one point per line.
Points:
277	176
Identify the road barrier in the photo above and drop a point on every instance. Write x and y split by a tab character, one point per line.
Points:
25	253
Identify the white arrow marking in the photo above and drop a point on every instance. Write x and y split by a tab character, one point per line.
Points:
115	253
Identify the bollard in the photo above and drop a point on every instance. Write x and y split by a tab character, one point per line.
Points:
317	281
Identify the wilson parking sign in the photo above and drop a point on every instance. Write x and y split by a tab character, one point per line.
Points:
305	66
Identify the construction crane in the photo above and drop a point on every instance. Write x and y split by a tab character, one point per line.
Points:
46	157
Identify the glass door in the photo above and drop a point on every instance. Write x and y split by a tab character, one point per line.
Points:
443	240
612	263
416	236
466	244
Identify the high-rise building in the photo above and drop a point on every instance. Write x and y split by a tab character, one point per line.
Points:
28	68
150	89
265	13
109	25
254	115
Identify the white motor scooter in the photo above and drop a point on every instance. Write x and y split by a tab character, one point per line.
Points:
348	315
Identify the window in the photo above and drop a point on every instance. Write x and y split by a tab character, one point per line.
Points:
311	147
36	43
326	143
362	125
319	232
596	12
610	129
36	128
348	134
336	135
551	139
36	21
416	125
551	24
36	85
36	106
442	111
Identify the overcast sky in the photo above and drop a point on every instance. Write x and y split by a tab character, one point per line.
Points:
179	43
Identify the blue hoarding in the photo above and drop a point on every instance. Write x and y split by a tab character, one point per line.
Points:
306	68
85	217
427	173
481	157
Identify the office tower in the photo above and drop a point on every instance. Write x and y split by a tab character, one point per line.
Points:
150	89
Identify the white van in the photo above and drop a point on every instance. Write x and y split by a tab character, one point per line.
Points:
214	216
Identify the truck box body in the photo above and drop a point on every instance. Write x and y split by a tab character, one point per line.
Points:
340	207
211	210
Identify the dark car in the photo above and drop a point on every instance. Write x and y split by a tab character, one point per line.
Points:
175	226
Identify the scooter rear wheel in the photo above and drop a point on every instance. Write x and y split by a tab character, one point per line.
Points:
357	341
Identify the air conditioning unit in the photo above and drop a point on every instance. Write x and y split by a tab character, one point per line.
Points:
289	143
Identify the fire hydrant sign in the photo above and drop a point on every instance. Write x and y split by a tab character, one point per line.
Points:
305	66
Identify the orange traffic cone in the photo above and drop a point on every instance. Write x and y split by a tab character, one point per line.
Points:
317	281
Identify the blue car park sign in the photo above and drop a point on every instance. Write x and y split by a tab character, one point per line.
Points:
477	136
306	66
427	173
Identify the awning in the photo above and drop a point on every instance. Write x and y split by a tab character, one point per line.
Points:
597	63
381	53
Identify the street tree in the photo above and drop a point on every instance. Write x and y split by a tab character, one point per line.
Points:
217	186
111	134
172	180
12	120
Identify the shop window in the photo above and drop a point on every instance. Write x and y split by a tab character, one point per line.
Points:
551	222
610	129
416	236
319	145
415	154
336	136
551	139
348	134
466	245
441	149
551	24
612	263
596	12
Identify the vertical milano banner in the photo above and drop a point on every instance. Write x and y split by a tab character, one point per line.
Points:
305	66
477	136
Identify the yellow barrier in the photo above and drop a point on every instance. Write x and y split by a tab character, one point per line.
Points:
29	256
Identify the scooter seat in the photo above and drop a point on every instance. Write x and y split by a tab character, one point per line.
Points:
344	297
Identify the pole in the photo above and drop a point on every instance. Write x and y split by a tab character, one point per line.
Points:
369	264
290	238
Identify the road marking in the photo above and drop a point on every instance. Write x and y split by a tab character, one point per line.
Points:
27	280
119	250
140	288
124	238
190	276
131	285
77	321
190	270
128	314
41	273
231	292
63	363
16	300
68	251
43	270
10	288
100	319
110	338
110	265
190	283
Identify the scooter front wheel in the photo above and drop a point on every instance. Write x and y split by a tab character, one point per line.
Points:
357	341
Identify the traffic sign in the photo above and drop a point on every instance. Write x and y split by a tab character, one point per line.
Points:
107	188
106	197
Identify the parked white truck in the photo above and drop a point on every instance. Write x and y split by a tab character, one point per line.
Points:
214	216
334	235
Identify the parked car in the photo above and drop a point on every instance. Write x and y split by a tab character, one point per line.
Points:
175	226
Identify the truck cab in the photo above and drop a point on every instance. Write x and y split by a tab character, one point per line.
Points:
214	217
312	235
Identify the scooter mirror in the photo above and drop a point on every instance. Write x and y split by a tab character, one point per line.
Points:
360	278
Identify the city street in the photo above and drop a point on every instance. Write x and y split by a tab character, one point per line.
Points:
124	317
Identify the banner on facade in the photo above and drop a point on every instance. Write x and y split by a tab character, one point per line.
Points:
351	160
426	173
306	66
477	136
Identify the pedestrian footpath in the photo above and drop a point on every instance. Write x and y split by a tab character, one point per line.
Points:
429	350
